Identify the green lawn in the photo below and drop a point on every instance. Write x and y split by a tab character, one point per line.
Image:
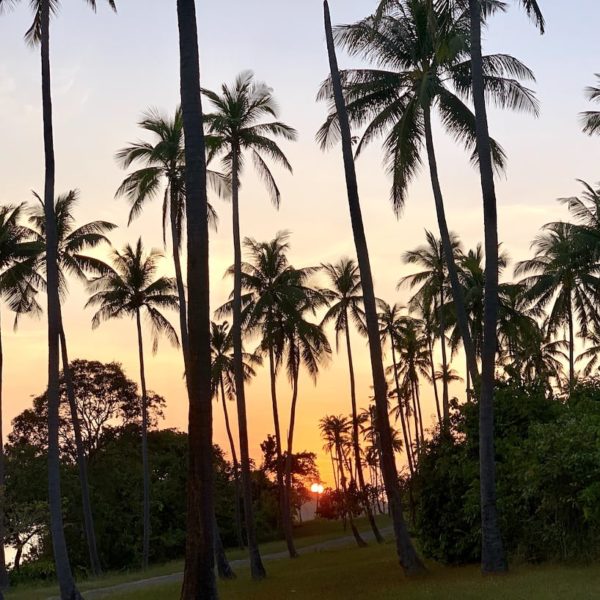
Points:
306	534
373	573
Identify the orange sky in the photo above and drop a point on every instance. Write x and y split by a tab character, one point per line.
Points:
107	69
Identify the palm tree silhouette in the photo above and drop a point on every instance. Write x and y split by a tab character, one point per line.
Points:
19	283
223	384
131	289
164	161
235	130
404	547
590	119
39	33
421	54
72	239
345	299
493	558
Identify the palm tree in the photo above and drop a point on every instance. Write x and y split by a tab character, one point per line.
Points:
199	578
420	51
39	33
72	240
164	161
404	547
18	289
590	119
345	300
233	131
558	276
221	346
432	283
336	431
303	344
130	290
493	558
271	287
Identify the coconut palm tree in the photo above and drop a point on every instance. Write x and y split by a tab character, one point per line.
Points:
493	558
336	431
199	578
431	282
72	240
223	385
39	34
404	547
558	276
420	56
271	287
345	306
131	289
18	288
235	130
164	166
590	119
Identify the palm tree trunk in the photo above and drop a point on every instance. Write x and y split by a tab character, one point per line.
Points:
457	295
68	590
404	547
256	566
571	344
417	419
418	399
236	468
434	380
223	567
403	420
4	582
286	520
145	465
199	577
287	498
176	241
493	559
445	396
88	519
356	442
335	474
348	511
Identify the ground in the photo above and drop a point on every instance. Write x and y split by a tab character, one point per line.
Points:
347	572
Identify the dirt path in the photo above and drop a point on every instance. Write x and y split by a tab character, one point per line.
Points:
175	577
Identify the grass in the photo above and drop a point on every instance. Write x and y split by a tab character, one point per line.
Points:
306	534
373	574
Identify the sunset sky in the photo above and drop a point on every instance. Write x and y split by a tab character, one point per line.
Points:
109	68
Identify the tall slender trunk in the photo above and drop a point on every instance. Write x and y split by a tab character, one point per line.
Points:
417	419
356	442
176	241
68	590
571	343
199	577
403	420
348	512
404	547
493	558
286	519
468	380
445	396
256	566
287	498
434	380
335	474
418	401
145	465
236	468
88	519
457	295
3	572
223	567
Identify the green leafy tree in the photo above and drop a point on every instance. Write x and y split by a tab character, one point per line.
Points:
128	290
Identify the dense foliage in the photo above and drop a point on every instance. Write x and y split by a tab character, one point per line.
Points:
548	466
